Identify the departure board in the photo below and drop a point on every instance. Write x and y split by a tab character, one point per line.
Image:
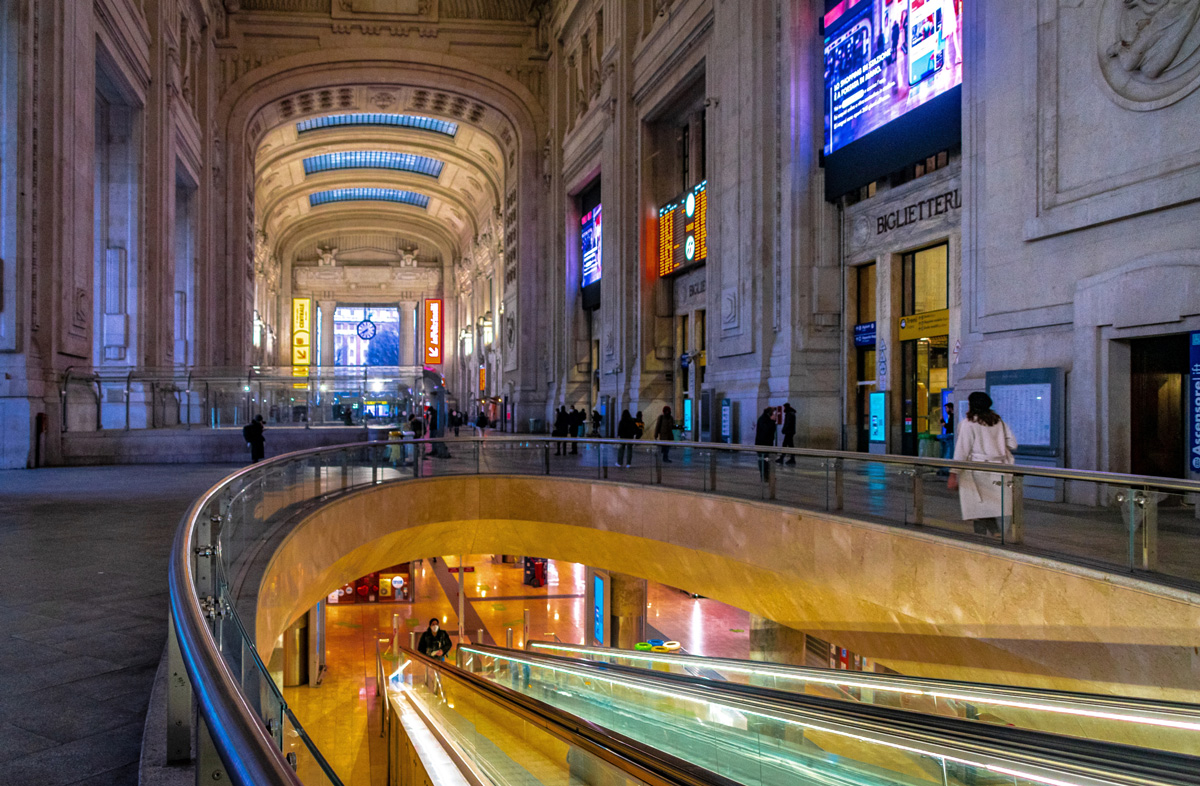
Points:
683	231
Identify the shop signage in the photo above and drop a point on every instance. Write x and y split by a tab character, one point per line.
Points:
433	332
919	211
927	325
482	379
301	331
1194	403
864	334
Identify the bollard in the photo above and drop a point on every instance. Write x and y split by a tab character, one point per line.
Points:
508	638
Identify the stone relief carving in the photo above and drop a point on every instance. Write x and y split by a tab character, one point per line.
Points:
327	257
1150	51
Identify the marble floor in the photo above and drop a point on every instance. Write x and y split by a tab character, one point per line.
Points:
343	715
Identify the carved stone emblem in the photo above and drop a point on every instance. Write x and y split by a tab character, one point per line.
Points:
1150	51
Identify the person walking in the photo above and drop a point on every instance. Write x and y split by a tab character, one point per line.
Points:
434	642
252	432
575	428
627	428
560	430
664	431
983	436
481	422
764	436
789	433
597	421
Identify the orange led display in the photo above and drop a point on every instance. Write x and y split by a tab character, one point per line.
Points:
683	231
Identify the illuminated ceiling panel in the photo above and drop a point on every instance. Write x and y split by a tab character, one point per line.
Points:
373	159
368	195
378	119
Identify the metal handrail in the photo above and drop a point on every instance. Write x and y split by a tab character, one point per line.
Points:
243	742
1043	755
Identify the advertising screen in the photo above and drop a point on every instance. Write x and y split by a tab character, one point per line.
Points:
589	238
683	230
883	60
433	332
598	613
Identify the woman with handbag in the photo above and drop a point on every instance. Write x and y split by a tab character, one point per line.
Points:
982	436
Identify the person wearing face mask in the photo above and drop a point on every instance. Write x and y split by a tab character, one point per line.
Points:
434	642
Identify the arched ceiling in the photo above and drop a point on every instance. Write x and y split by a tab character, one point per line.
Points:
459	193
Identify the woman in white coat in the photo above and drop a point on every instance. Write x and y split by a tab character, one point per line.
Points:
983	436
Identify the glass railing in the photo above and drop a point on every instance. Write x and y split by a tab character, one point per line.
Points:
1119	523
1164	726
758	742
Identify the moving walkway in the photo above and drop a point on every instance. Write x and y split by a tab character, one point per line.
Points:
761	736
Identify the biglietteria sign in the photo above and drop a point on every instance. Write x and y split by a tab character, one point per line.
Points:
433	332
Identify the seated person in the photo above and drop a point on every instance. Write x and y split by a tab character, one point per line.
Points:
434	642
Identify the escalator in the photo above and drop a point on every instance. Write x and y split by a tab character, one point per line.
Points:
1166	726
725	732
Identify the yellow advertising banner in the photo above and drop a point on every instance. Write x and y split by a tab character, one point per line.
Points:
301	331
927	325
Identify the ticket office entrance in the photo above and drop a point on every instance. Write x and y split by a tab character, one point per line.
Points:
924	334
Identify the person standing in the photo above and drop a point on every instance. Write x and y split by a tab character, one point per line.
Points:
983	436
664	431
789	433
764	436
434	642
252	432
575	426
560	431
626	429
641	424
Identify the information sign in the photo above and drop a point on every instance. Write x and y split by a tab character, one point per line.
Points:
598	612
1027	409
864	334
877	409
1194	403
926	325
301	331
683	231
433	332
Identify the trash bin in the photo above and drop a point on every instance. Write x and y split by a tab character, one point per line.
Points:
537	426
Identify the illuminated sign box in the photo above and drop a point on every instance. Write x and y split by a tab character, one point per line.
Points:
433	332
590	241
683	231
301	331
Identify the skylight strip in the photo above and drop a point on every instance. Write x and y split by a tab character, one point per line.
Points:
373	159
417	122
368	195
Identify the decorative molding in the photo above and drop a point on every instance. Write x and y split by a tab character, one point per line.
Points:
1149	51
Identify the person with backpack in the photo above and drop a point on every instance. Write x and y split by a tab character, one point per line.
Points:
252	432
664	431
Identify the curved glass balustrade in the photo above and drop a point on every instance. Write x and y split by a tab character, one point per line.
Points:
1150	724
223	541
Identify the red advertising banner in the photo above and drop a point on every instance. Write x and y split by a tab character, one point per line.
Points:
433	332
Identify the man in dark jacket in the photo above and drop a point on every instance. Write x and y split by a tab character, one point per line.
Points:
764	435
434	642
575	423
789	433
664	431
253	434
626	429
560	430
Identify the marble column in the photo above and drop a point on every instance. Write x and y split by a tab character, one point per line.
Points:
628	610
409	332
327	345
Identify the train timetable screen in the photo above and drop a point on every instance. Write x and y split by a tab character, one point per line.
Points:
683	231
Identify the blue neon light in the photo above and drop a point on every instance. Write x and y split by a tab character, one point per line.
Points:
373	159
368	195
378	119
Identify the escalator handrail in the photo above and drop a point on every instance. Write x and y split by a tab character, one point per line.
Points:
1173	714
647	764
994	746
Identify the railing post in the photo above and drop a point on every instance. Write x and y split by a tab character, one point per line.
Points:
918	492
1016	528
601	466
207	531
546	457
345	470
657	466
712	470
417	455
179	701
1148	505
771	476
375	464
839	483
508	638
412	640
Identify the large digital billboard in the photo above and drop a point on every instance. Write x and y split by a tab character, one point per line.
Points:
433	332
589	239
683	230
884	60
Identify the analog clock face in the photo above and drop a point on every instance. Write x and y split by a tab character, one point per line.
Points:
366	330
690	205
689	248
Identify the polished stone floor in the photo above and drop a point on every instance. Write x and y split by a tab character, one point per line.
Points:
83	609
